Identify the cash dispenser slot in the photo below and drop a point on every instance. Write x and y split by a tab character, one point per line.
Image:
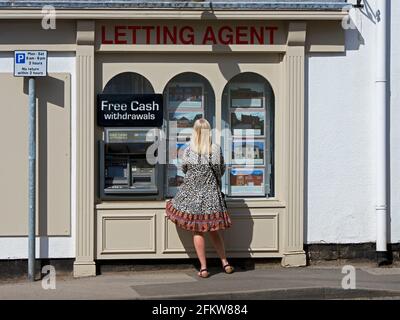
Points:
125	172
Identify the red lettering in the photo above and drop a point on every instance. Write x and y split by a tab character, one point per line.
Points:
133	33
103	36
188	37
158	35
259	35
148	33
240	34
118	34
271	34
225	37
209	36
167	35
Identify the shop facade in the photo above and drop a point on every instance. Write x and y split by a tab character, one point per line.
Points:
243	70
267	219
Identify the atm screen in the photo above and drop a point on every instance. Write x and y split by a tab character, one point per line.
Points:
116	171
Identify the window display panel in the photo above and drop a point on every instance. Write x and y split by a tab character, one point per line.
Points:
185	96
248	152
247	123
189	96
183	122
247	95
246	182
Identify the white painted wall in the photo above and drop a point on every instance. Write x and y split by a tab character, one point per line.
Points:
48	247
341	144
395	123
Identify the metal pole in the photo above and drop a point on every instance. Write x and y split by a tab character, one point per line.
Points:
32	179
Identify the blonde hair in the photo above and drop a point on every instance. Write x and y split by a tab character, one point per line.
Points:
201	137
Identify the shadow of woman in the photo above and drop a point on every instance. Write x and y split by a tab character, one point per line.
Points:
237	239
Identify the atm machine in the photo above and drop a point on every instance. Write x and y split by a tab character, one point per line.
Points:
125	172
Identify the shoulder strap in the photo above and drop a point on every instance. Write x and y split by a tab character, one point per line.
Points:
214	174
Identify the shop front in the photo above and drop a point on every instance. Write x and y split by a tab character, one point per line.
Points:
146	76
247	78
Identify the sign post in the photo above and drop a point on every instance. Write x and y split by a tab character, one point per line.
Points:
31	64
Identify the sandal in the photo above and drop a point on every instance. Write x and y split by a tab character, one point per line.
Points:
200	274
228	268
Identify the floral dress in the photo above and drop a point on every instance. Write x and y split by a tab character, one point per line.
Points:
198	205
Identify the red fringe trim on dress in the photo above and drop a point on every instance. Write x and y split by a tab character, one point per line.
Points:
198	222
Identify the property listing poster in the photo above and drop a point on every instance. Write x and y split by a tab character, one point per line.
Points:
246	181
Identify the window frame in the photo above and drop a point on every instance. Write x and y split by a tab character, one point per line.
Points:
268	136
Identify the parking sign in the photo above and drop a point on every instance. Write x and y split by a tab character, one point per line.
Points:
30	63
20	57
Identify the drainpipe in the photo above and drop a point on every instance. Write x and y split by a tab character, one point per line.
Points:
381	84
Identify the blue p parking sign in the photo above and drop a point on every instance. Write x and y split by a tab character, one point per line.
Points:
20	57
32	63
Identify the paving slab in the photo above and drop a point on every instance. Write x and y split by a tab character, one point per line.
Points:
272	283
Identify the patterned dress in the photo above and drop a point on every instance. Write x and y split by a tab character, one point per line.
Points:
198	205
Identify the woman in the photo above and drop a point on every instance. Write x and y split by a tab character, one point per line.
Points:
199	205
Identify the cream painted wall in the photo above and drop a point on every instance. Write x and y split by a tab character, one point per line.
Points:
47	247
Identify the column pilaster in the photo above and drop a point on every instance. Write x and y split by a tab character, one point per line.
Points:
294	254
84	264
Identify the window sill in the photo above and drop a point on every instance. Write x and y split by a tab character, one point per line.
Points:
154	204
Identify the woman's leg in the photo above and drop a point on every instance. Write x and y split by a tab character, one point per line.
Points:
219	246
200	246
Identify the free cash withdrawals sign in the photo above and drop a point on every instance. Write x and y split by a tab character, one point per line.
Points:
130	110
30	63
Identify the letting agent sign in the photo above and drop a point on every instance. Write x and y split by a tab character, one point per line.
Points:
130	110
170	33
30	63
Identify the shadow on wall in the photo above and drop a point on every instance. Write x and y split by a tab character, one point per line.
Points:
353	36
49	90
368	12
228	67
353	40
237	238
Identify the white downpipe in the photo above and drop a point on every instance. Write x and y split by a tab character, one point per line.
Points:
381	116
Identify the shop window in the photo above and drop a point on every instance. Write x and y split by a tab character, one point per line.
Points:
248	136
125	172
129	82
188	97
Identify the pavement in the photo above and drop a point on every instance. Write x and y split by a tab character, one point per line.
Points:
315	282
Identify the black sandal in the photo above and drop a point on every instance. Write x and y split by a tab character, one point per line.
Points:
228	268
200	274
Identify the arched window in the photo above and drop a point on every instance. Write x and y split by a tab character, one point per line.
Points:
129	82
248	138
187	97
